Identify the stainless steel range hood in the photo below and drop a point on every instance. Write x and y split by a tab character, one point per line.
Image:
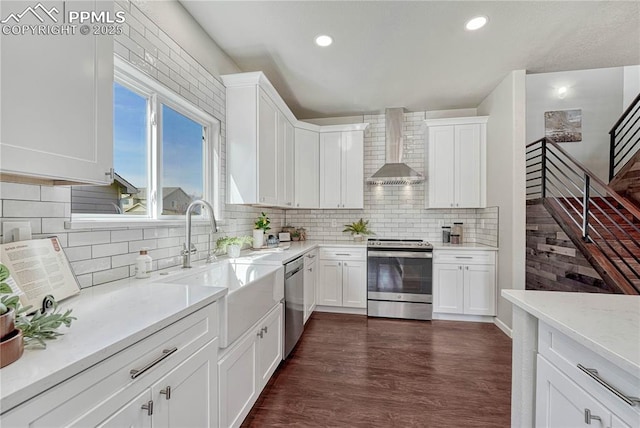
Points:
394	171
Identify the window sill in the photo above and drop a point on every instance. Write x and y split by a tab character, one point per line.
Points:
129	223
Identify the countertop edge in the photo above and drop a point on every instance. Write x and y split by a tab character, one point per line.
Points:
32	390
622	362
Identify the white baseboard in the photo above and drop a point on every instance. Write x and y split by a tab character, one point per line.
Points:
461	317
502	326
341	310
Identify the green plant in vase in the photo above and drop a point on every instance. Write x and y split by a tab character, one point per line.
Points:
261	227
358	229
232	245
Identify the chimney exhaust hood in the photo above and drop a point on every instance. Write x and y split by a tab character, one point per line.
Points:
394	171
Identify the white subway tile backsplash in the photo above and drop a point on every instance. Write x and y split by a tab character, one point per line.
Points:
89	238
124	259
91	265
110	275
25	192
126	235
75	254
105	250
17	208
55	193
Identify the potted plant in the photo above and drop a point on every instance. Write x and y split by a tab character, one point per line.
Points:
358	229
261	227
233	245
295	235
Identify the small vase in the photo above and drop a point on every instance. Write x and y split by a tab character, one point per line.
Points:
233	251
258	238
7	322
11	348
358	237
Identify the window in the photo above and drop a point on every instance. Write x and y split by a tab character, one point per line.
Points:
165	154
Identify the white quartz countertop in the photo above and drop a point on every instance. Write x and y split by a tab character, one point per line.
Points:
291	250
608	324
466	246
110	318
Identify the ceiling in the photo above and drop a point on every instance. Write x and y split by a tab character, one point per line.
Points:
414	54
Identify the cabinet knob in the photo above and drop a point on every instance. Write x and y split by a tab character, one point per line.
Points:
466	267
345	263
459	267
588	417
338	205
297	205
148	407
166	392
265	329
310	269
339	264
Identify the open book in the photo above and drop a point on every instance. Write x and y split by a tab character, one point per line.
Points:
35	269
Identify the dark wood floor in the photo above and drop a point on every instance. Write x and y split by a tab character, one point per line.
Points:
354	371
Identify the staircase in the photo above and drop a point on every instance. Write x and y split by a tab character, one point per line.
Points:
624	154
602	224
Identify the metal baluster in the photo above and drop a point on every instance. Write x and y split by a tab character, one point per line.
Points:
585	208
543	170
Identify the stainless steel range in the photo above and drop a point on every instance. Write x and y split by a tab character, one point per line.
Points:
399	278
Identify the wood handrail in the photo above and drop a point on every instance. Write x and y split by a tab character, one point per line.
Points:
619	199
626	112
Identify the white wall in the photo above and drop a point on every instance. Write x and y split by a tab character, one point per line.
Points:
597	92
505	106
630	85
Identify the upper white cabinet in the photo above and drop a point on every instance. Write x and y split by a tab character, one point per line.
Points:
307	168
57	103
342	168
457	162
260	143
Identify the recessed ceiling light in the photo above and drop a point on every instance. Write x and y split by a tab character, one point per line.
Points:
476	23
562	92
323	40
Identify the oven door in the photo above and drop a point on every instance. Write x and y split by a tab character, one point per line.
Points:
404	276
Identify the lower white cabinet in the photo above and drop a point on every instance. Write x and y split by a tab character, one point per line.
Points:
342	278
247	367
464	282
176	386
310	282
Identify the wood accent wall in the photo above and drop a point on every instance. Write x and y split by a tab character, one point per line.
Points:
627	181
553	262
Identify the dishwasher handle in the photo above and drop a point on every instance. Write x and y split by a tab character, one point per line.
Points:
293	272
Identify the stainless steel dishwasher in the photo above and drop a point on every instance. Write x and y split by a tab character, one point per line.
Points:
294	304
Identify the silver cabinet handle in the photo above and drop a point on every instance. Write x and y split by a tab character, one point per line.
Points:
297	205
165	353
338	205
148	407
311	256
166	392
260	334
343	254
593	374
310	269
466	267
345	263
459	267
265	329
588	417
451	204
289	203
339	264
464	257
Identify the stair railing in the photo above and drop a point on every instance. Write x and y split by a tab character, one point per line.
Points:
553	174
624	138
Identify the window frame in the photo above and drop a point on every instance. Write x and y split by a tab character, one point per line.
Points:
158	95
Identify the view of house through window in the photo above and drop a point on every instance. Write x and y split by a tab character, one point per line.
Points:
159	165
182	165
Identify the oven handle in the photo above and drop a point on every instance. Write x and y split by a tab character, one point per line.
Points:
405	254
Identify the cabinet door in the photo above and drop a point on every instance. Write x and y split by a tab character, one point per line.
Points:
267	151
330	170
441	175
56	108
468	166
329	283
480	289
238	389
354	284
188	395
448	288
269	347
307	169
353	169
560	403
285	161
132	415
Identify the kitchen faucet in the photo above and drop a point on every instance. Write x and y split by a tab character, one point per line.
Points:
189	247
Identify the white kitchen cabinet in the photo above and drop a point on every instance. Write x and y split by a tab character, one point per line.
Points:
464	282
307	168
286	159
182	356
457	162
342	169
57	103
260	143
310	282
342	278
247	367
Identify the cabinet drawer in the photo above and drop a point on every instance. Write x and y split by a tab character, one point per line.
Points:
465	257
310	258
343	253
111	380
566	354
